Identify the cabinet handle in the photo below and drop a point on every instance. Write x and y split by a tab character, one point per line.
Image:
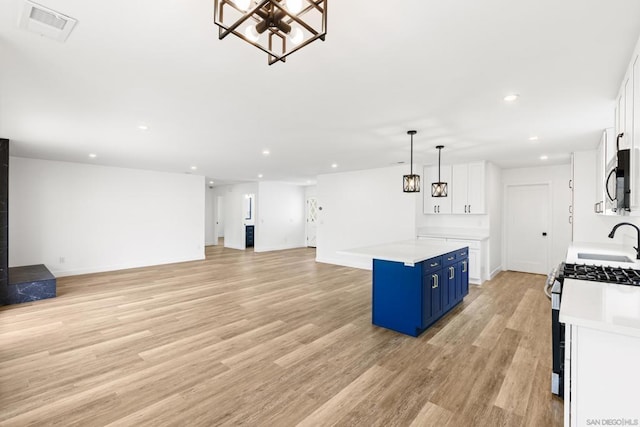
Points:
438	208
435	281
464	266
595	208
571	209
450	258
571	183
433	265
452	272
570	219
434	209
469	209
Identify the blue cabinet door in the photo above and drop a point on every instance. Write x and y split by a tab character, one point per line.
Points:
432	297
463	272
452	281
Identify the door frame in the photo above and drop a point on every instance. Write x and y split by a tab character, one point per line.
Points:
505	213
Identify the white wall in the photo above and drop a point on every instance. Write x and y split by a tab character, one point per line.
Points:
360	209
210	237
558	177
281	224
589	226
495	196
77	218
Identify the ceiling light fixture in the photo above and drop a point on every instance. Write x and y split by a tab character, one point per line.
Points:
194	168
439	189
544	157
93	155
411	182
143	127
266	152
334	165
289	25
259	175
511	98
533	138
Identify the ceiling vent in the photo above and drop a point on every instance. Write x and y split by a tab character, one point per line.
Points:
46	22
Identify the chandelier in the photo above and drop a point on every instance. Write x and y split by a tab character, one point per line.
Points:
277	27
411	182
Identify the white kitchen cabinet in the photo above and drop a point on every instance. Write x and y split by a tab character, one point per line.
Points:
436	205
635	140
468	188
605	163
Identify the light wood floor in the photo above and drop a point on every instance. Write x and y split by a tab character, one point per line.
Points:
271	339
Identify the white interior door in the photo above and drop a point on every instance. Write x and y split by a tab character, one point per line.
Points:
219	217
312	218
528	226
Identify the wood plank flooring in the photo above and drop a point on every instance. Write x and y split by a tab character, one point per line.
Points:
270	339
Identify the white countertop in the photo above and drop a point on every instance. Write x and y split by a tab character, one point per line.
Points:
408	252
454	233
602	306
601	248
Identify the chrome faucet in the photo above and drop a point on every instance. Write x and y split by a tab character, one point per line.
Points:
613	233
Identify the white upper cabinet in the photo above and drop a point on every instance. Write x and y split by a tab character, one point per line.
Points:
635	139
605	180
468	188
436	205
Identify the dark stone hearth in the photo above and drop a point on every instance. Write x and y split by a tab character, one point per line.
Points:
4	219
30	283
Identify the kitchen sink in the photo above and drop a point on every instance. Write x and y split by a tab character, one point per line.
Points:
605	257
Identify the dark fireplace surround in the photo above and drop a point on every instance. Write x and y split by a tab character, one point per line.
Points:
18	284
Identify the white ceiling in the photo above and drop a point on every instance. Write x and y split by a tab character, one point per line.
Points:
441	67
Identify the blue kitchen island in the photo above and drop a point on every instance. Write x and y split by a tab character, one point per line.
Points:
415	282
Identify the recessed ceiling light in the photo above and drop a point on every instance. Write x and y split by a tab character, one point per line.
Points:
533	138
308	181
544	157
143	127
335	165
266	152
211	182
93	155
194	168
259	175
512	97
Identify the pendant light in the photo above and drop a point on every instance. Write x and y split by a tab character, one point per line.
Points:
411	182
439	189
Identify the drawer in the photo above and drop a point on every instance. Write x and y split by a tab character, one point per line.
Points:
464	253
432	264
450	258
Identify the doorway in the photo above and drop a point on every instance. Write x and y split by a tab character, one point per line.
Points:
312	220
527	228
219	221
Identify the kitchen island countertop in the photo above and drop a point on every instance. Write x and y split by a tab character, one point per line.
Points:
409	252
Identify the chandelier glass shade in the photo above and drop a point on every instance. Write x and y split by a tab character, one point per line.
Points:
411	182
439	189
277	27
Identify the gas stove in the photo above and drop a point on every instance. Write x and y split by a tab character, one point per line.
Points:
606	274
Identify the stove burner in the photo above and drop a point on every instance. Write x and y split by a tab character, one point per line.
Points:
597	273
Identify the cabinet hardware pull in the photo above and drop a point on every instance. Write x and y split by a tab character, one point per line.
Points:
433	265
595	208
452	271
434	209
571	183
438	208
571	209
570	219
450	258
464	266
435	281
469	209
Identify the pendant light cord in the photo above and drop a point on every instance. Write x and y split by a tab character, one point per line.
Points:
439	152
411	167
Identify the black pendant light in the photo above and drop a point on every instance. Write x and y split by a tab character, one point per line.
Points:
439	189
411	182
